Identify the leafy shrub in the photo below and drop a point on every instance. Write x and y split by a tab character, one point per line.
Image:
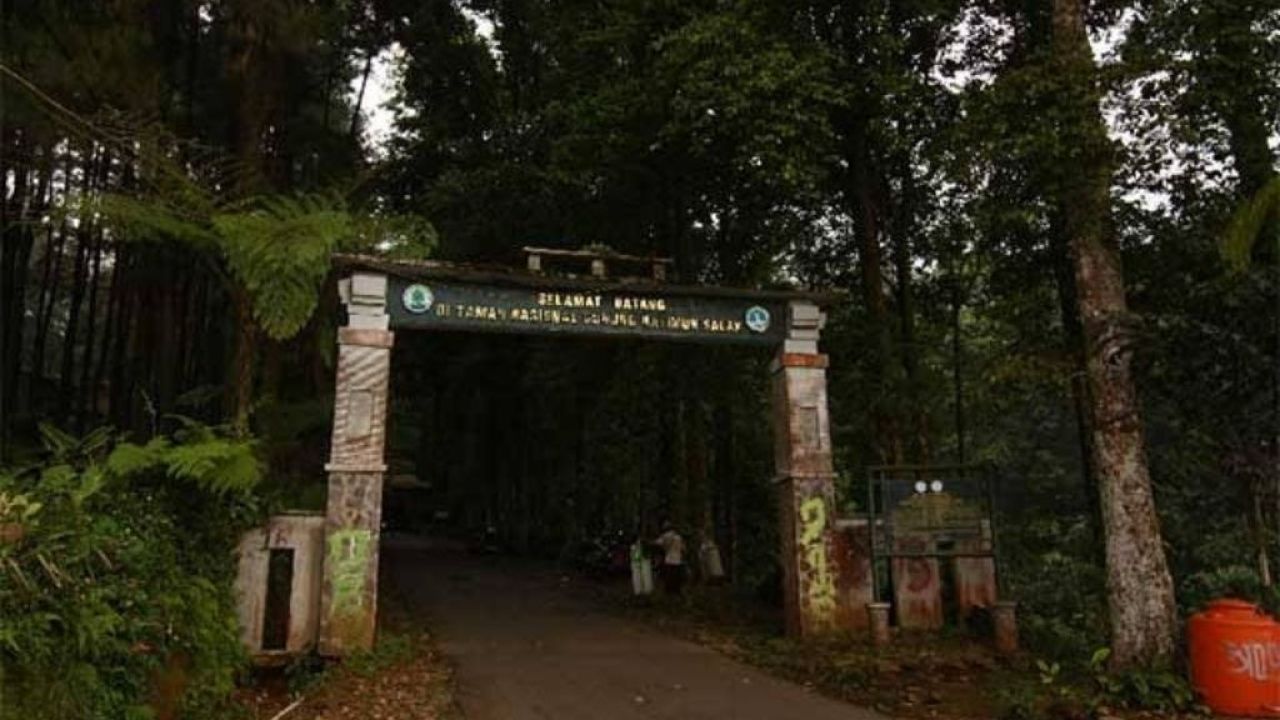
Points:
1232	581
115	590
1160	689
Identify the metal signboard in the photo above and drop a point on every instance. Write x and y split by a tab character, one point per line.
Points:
454	305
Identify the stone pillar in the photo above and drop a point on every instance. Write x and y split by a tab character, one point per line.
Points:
349	596
802	457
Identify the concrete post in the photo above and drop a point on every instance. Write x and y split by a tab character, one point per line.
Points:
854	589
349	594
1005	616
878	617
802	458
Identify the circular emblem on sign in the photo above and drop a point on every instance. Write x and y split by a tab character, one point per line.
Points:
417	298
757	319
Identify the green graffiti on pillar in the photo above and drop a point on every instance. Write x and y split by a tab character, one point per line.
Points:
348	558
821	587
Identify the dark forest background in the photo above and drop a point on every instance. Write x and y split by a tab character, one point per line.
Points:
176	173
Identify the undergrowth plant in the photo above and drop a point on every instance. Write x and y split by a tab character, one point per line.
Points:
116	575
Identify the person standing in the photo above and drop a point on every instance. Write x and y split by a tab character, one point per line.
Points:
641	569
672	569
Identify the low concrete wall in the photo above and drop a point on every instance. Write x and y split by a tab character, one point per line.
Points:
853	573
304	534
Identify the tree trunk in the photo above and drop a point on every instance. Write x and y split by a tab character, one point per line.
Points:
80	275
242	364
1140	595
48	301
364	82
904	228
122	338
96	382
867	212
84	403
957	293
1073	339
15	249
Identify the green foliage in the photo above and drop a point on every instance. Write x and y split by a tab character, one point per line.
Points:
279	252
1249	224
122	574
276	248
390	649
1160	689
1058	691
1231	581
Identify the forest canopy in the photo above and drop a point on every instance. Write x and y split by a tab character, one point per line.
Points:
1054	224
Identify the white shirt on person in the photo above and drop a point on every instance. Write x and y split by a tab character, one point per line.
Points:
672	547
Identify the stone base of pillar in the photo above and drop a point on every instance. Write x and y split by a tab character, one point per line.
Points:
349	601
807	526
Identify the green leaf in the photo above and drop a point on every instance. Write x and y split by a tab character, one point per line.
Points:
128	459
1248	224
279	252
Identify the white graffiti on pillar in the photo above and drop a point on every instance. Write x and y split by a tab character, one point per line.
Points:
1257	660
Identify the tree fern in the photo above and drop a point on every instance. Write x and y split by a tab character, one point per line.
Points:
279	252
1249	224
129	459
220	465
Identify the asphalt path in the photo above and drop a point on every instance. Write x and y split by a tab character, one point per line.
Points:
526	644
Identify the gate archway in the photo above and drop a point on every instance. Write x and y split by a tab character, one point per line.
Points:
384	297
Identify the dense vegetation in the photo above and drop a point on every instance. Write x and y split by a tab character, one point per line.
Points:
984	184
117	600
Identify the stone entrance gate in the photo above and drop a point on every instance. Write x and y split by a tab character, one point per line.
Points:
384	297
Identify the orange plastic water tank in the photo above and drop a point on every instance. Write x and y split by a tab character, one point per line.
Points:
1235	659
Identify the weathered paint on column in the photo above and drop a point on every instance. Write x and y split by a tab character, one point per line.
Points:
349	597
1006	622
917	583
975	577
854	589
802	458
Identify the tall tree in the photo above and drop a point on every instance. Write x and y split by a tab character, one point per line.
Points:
1140	596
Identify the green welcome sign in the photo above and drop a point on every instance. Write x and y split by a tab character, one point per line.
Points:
610	310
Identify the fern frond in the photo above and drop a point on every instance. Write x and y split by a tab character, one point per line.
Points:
129	459
218	465
280	254
59	443
1248	224
143	219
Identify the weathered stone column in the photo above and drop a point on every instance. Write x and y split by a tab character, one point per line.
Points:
349	597
802	457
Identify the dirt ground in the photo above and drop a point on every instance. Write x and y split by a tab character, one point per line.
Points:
404	678
528	643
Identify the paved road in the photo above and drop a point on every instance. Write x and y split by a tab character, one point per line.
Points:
525	648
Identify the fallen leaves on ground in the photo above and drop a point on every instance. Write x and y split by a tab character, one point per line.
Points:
404	678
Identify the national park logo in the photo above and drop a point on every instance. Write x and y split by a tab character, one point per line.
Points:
417	298
757	319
